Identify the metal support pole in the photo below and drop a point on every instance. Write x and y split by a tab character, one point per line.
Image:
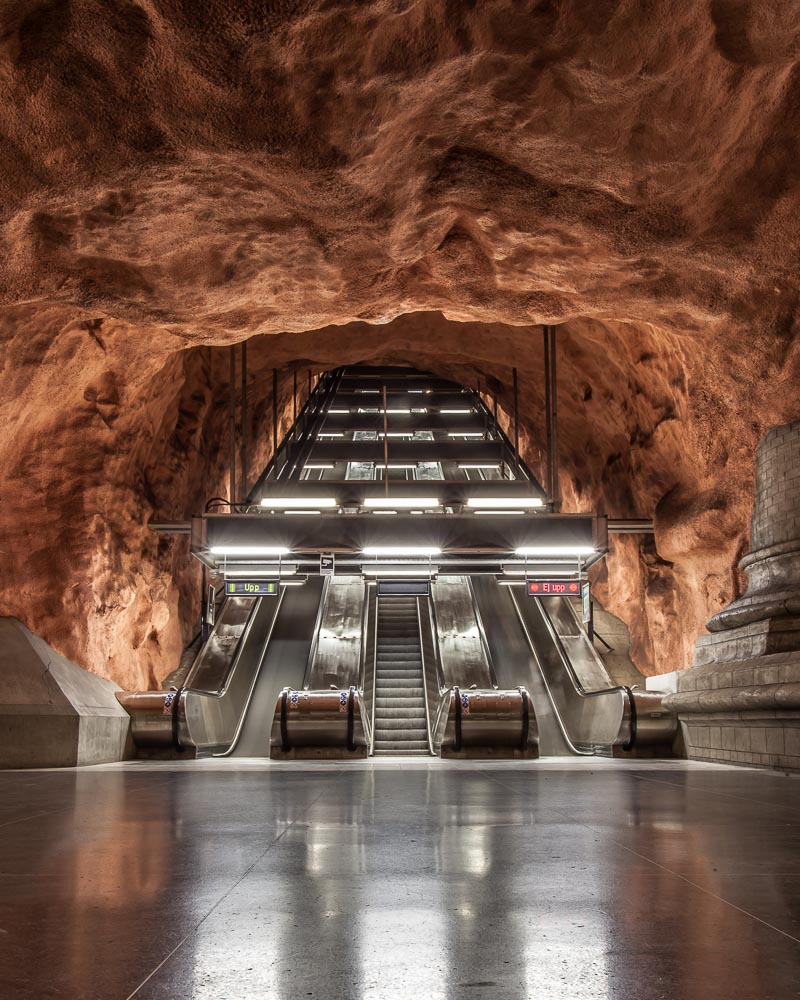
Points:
516	418
294	404
548	419
385	445
244	419
551	417
232	406
555	489
274	411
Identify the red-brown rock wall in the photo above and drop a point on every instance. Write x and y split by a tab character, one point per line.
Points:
176	177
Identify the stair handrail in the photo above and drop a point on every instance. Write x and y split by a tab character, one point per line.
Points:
424	673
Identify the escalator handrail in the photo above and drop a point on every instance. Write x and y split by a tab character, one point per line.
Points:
576	749
595	692
240	724
234	660
424	673
317	626
482	633
434	624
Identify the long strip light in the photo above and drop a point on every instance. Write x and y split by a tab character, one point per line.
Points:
453	412
555	550
465	434
479	465
399	551
265	570
513	503
298	503
249	550
402	502
319	465
399	569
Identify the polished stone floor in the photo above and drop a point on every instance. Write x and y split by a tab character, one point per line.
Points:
428	880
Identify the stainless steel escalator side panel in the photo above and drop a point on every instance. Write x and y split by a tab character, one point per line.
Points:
462	652
336	658
516	663
487	724
211	720
369	655
318	724
590	719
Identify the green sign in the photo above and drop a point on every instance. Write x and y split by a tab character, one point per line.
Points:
251	588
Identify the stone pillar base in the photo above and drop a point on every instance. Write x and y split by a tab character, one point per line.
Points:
741	711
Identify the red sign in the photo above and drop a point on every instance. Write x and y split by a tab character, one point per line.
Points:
553	588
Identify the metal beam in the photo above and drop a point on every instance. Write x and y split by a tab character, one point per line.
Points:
403	451
452	534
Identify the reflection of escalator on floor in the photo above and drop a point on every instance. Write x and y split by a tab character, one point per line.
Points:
400	725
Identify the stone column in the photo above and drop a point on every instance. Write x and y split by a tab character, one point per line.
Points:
740	701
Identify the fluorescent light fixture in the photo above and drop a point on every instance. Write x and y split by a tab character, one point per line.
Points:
544	573
397	434
515	503
395	465
402	502
555	550
465	434
305	511
265	570
384	512
486	513
476	465
249	550
331	434
292	583
338	411
511	583
319	465
298	503
455	411
399	569
399	551
368	392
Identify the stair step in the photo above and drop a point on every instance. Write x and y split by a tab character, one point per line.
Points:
417	716
415	746
388	732
399	702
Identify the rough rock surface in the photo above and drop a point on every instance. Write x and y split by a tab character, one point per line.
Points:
176	177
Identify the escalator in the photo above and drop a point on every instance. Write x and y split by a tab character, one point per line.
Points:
225	705
283	664
541	644
400	719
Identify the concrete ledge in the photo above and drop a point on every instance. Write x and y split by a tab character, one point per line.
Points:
52	712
